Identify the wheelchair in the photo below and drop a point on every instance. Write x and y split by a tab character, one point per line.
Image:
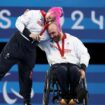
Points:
52	91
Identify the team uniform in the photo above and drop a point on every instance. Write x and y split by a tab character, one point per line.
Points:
21	50
66	60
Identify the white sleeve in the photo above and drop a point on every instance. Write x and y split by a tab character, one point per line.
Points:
82	52
22	21
41	45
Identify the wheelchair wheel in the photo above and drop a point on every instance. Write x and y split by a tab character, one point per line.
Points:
85	100
82	95
46	89
51	90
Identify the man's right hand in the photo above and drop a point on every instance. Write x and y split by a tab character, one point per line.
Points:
34	36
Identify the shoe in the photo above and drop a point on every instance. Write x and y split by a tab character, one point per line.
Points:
62	102
72	102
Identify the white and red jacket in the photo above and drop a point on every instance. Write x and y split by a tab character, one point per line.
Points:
74	51
33	20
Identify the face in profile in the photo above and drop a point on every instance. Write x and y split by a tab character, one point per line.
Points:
54	32
50	17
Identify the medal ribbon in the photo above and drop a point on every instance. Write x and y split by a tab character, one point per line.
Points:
61	49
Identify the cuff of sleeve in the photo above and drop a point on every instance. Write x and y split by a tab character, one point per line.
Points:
83	66
26	32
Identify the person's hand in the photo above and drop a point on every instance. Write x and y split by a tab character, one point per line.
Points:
82	72
34	36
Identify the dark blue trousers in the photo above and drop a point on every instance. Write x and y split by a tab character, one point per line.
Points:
22	52
68	77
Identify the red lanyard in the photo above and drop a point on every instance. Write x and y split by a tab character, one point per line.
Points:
61	50
46	25
43	30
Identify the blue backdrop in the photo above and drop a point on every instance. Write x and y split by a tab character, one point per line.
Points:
9	86
83	18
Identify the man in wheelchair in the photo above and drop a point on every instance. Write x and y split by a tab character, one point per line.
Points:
68	58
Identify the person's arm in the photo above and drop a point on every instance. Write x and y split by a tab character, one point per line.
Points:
42	45
22	22
83	55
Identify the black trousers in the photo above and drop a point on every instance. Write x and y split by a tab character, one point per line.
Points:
68	77
22	52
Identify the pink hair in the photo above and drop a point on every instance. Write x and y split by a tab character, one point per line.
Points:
57	12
